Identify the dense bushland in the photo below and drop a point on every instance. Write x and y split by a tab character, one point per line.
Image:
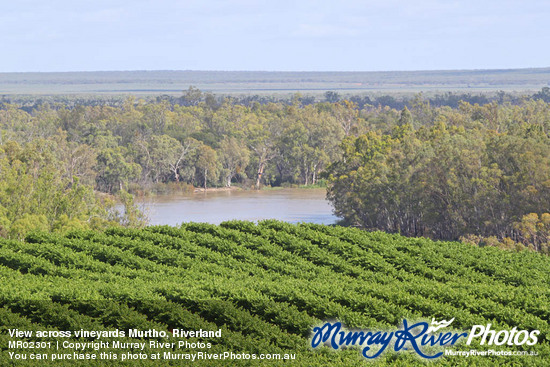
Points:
474	171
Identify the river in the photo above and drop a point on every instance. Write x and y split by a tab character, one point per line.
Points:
289	205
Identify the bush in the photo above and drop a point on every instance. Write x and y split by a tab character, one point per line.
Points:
28	223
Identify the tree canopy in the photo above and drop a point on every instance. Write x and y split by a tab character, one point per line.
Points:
418	168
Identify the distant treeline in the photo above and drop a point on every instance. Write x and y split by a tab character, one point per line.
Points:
424	168
193	95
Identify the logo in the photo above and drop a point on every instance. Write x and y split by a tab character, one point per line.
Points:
439	325
420	337
502	337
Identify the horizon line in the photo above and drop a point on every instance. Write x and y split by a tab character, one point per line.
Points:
270	71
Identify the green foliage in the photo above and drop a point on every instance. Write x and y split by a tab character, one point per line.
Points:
132	216
5	223
476	172
267	285
65	224
234	158
114	170
544	94
207	164
424	170
41	189
28	223
534	231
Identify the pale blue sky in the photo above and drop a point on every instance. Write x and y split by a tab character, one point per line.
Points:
298	35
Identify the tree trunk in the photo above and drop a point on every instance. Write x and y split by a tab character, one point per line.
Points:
260	173
314	178
205	175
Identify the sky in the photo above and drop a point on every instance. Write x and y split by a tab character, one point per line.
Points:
273	35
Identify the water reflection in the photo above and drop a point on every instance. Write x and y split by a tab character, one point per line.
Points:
290	205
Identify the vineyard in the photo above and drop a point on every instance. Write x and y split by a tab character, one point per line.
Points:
266	286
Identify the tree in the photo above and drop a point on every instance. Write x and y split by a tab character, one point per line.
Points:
234	157
114	171
262	139
192	96
332	97
446	181
207	163
346	114
165	154
155	117
406	117
544	94
38	191
79	160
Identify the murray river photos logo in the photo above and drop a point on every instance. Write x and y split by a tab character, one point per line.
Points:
419	337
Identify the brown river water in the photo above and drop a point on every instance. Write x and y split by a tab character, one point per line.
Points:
289	205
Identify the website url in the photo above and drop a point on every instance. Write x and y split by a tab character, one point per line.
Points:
490	352
227	355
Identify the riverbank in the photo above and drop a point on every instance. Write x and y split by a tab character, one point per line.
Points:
198	190
180	188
